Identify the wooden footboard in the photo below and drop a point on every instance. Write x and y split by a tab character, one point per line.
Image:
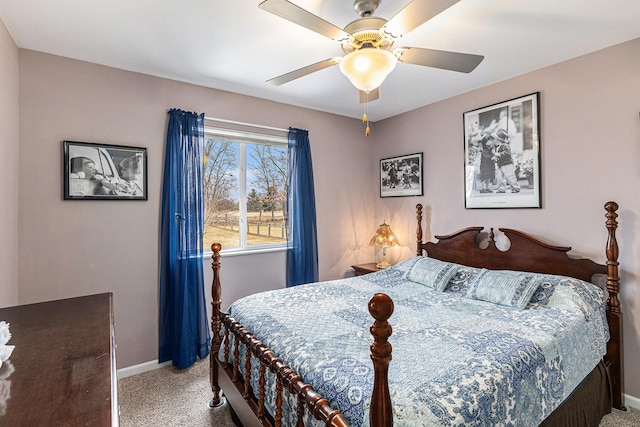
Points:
253	402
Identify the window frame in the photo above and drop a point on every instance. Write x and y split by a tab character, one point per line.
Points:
243	138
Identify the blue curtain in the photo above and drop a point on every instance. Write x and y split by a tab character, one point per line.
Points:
184	333
302	248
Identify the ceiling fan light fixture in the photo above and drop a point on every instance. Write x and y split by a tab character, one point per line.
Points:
367	68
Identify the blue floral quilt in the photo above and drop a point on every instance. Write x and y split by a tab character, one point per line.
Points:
457	361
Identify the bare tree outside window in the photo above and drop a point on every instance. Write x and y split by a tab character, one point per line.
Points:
270	168
220	183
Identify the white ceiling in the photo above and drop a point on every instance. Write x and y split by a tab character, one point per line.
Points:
235	46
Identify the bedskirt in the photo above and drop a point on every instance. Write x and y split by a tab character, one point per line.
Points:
586	406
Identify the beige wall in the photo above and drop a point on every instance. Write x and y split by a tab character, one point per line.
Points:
8	169
590	150
70	248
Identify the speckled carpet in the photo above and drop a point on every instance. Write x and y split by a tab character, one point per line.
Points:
172	397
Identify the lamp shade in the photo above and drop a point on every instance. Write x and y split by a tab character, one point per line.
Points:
367	68
384	237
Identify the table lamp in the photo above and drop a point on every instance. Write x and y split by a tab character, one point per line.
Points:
384	238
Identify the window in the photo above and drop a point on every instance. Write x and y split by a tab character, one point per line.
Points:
245	189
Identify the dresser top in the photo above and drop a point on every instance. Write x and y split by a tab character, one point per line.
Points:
64	363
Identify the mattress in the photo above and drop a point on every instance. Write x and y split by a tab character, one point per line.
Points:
458	360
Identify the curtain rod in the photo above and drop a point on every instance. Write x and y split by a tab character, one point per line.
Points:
233	122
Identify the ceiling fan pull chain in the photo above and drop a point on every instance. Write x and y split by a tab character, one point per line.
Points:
366	101
367	130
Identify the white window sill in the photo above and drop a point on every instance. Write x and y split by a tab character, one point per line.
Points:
237	252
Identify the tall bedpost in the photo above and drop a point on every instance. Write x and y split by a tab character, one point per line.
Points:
614	314
381	411
216	294
419	230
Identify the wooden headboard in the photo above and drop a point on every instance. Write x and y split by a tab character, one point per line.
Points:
527	253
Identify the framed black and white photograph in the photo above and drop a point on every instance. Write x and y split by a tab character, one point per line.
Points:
502	155
401	176
104	172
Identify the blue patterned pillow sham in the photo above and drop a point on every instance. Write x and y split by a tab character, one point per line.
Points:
432	273
509	288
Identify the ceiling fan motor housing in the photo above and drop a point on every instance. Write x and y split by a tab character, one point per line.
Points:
366	32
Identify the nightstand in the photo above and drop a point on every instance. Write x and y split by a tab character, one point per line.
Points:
362	269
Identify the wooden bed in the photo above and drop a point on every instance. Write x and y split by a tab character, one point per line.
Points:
600	391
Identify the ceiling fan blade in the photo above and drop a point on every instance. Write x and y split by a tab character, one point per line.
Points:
453	61
304	18
415	14
300	72
371	96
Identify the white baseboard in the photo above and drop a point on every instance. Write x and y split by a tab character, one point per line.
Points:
634	402
139	369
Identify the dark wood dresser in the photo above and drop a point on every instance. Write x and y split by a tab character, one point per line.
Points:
65	363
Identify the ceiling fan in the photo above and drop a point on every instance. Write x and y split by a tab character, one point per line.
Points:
373	37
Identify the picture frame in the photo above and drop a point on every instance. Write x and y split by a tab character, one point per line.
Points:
104	172
401	176
502	155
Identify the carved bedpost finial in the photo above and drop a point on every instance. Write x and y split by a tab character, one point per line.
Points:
216	340
419	230
613	280
381	412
